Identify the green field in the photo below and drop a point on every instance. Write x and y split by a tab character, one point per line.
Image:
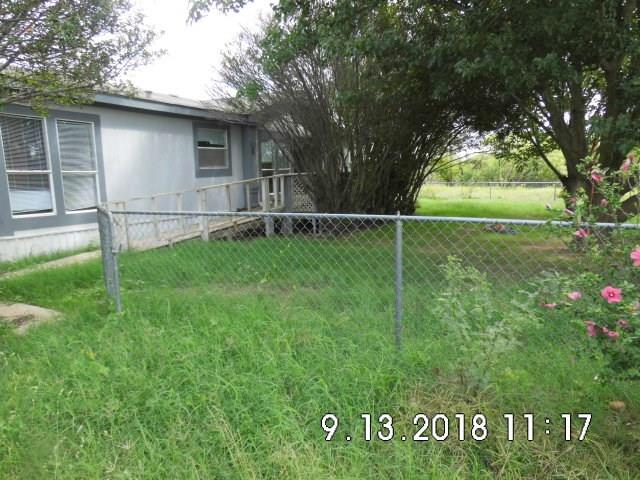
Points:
494	202
230	352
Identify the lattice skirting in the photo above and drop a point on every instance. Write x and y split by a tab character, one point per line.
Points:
302	201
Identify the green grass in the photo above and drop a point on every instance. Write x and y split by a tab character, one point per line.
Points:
485	209
34	260
511	202
229	353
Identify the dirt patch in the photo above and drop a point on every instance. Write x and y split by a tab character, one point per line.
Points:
22	317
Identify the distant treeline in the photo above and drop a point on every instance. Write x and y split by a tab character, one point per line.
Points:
487	168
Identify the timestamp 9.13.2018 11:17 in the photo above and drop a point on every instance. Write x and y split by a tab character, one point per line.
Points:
440	427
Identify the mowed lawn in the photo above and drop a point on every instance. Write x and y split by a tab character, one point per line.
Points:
495	202
228	354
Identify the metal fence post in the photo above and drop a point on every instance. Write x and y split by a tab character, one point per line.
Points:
398	269
109	257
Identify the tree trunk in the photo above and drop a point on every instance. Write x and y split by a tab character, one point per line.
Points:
571	183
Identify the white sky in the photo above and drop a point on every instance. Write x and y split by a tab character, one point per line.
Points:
193	50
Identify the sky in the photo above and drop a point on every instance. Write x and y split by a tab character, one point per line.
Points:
194	51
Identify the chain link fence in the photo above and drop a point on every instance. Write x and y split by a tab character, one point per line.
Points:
384	271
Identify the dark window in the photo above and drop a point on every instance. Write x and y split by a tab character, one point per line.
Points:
212	146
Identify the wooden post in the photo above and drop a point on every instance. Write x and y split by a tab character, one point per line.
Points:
282	190
204	221
268	221
247	196
180	205
275	192
265	194
227	189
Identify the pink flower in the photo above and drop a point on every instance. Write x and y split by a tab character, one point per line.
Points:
574	295
623	324
549	305
612	294
604	202
635	256
581	233
592	328
596	176
626	165
613	334
605	330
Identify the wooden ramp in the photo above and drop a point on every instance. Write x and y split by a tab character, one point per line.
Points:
214	229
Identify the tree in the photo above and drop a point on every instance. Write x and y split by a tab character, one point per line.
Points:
340	88
567	71
524	148
60	51
199	8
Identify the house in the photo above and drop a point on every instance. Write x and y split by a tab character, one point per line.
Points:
55	170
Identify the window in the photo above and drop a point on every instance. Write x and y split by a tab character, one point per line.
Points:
272	159
212	147
78	165
27	166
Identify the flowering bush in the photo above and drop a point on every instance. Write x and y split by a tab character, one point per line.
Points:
608	318
604	303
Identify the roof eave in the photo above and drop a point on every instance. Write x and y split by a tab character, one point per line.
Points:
141	105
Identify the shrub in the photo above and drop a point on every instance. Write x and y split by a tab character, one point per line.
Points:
480	326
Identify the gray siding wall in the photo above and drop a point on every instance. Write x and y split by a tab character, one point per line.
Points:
146	154
139	155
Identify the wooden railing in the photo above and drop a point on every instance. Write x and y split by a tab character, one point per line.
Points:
258	194
263	194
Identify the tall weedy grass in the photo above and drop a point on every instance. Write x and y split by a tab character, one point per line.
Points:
223	372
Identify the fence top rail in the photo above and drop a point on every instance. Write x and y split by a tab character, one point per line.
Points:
358	216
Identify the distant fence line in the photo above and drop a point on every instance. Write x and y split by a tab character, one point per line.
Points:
488	189
495	184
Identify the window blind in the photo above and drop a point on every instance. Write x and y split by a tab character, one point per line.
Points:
25	158
76	146
78	164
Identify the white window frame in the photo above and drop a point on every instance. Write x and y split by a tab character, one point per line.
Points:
226	149
85	173
48	172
